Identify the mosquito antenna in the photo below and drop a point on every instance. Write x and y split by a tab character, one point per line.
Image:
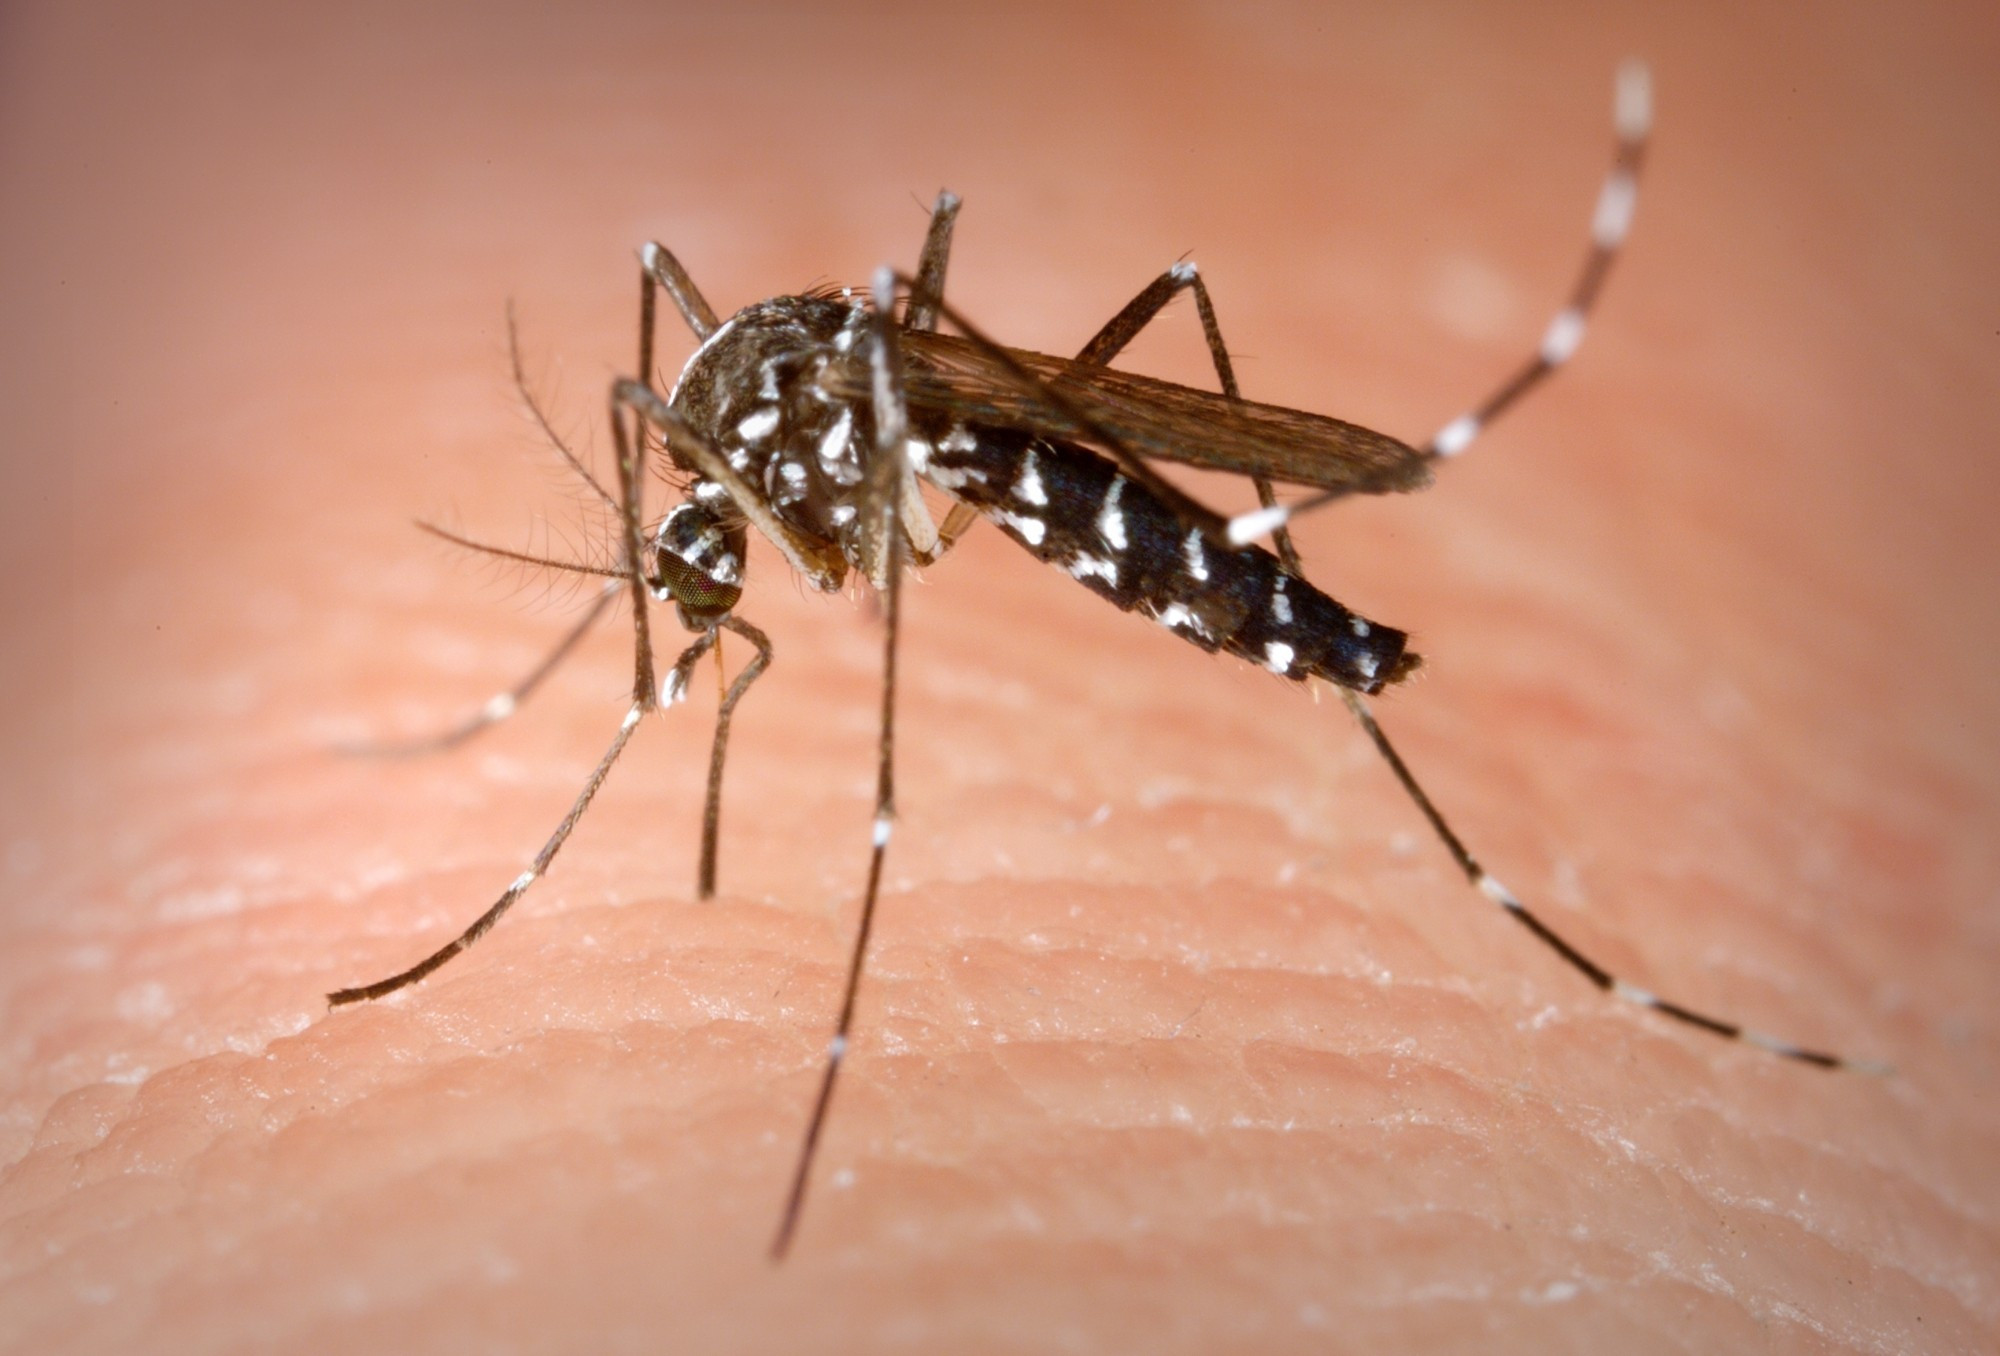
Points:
541	417
522	557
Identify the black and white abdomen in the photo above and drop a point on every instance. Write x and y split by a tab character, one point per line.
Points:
1077	511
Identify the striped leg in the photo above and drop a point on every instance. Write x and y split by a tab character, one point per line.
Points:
486	920
883	561
676	685
1609	226
643	700
1487	885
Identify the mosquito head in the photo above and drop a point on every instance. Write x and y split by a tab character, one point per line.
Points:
698	564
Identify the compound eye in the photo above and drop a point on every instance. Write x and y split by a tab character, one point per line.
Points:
694	588
699	564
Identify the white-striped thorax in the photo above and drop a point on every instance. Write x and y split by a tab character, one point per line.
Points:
762	390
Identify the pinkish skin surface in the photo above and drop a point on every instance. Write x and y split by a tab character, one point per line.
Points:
1181	1036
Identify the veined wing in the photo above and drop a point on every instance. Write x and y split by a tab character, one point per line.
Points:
1153	418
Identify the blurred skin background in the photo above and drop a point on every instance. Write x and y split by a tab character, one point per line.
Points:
1180	1034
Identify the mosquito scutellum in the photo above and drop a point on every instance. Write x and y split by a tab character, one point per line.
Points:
816	419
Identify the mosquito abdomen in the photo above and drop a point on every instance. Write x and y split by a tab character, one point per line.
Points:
1077	511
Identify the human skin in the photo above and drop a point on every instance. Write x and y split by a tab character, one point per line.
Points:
1180	1032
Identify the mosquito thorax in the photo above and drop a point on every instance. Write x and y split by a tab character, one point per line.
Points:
698	564
761	389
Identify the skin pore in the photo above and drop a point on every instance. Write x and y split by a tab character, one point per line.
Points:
1180	1032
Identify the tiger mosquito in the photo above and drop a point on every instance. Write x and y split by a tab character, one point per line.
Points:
815	418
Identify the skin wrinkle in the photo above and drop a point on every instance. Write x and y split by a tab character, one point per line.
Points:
1241	1065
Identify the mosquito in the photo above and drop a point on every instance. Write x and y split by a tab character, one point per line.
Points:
816	420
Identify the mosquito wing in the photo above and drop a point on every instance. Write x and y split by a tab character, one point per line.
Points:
1153	418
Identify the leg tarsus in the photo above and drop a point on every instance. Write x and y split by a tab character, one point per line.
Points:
513	893
1487	885
1609	225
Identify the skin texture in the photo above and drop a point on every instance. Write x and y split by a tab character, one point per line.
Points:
1181	1034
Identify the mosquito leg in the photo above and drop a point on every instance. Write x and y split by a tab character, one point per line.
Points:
501	705
486	920
658	268
886	568
1609	226
1124	327
1198	516
961	517
711	816
643	700
633	549
922	311
677	684
1487	885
